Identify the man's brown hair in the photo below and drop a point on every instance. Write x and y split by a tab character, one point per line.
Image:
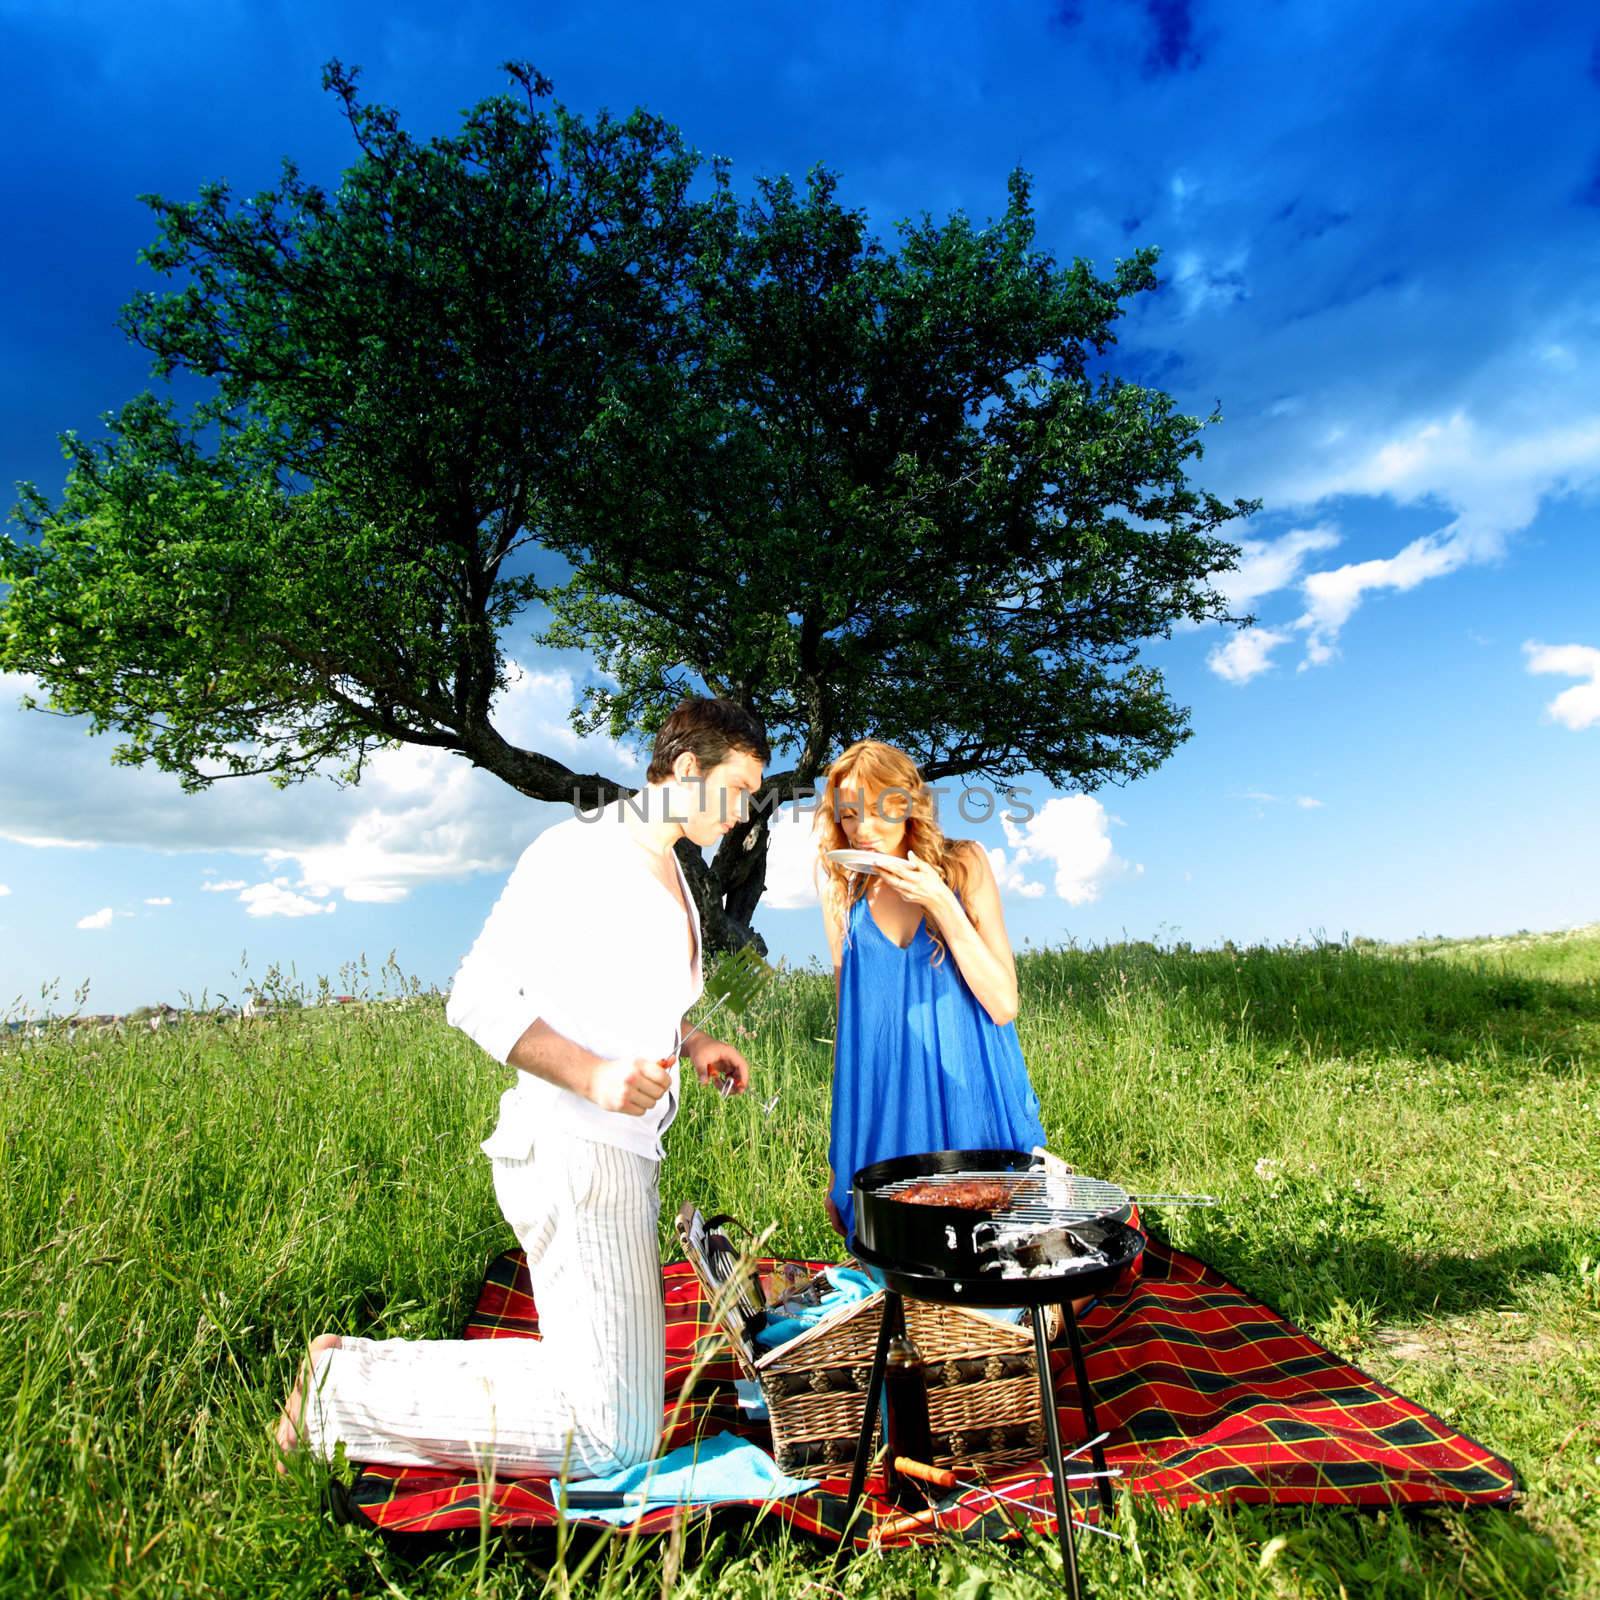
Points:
709	729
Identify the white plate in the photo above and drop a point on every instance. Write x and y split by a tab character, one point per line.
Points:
865	861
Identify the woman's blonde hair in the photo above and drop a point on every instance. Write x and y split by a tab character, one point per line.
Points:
874	767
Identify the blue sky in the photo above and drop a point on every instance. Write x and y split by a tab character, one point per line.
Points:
1380	229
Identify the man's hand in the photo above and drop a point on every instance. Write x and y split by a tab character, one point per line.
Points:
630	1087
834	1218
715	1056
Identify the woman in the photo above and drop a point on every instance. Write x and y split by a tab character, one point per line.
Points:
925	1044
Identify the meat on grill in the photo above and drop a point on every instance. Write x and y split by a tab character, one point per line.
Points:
969	1194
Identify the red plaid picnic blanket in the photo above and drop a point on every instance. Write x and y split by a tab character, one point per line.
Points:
1206	1392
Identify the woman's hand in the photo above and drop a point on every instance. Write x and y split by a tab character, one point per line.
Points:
919	882
715	1055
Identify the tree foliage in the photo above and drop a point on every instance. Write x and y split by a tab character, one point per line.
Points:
863	491
325	555
897	494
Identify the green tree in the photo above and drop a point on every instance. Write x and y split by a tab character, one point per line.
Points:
893	494
859	491
321	559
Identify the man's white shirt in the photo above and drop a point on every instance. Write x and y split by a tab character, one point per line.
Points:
586	936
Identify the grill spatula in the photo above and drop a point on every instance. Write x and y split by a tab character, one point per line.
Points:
737	977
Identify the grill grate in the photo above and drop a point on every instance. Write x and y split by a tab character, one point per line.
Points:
1044	1198
1038	1198
980	1216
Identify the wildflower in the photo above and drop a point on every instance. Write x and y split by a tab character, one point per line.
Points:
1268	1169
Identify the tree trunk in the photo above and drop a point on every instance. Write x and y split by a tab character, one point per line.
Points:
724	929
730	888
726	892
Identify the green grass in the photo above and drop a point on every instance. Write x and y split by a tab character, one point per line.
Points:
1405	1140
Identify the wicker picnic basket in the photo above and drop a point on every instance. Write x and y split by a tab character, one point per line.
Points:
983	1386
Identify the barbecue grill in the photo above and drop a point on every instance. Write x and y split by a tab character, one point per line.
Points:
996	1228
990	1215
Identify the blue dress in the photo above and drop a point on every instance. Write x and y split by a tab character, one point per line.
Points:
918	1064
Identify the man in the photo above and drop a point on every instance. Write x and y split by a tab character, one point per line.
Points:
580	979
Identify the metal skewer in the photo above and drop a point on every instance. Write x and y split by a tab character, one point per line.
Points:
944	1478
724	1083
1055	1167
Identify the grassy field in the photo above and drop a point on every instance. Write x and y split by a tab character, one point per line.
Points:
1406	1139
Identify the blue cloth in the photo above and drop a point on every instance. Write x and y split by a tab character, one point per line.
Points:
848	1284
918	1064
722	1467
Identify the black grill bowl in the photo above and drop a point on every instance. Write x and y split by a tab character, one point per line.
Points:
926	1238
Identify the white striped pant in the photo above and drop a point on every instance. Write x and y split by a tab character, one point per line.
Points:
592	1384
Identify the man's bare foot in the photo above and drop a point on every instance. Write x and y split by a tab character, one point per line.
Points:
288	1437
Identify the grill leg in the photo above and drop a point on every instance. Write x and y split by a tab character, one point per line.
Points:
893	1319
1086	1405
1058	1468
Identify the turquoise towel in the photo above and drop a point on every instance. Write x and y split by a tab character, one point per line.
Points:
722	1467
849	1283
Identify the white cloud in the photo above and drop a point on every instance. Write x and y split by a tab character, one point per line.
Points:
158	900
1492	478
1068	833
276	899
791	856
1203	284
1011	878
418	815
1266	565
1260	797
1333	596
5	889
1579	706
97	919
1246	655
